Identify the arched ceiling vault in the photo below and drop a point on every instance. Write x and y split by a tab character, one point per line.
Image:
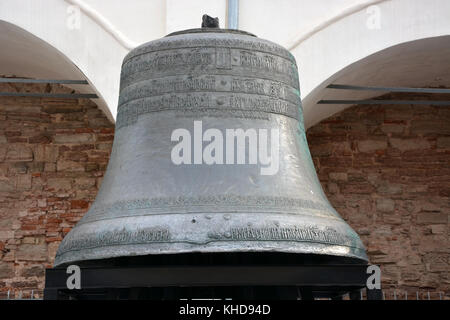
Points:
24	55
417	64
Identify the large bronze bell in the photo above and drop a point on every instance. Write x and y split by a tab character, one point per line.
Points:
209	156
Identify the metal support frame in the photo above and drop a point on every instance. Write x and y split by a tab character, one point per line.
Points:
304	282
50	95
388	89
25	80
374	101
387	101
46	94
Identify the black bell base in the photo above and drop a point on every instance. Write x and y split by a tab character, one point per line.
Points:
243	276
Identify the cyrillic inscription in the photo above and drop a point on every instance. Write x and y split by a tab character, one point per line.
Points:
129	113
305	233
115	237
199	103
167	85
270	88
253	44
166	61
211	83
263	104
245	203
226	61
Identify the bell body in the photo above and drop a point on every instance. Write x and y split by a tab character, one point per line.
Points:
150	204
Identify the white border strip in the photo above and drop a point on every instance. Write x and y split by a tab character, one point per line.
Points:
296	42
104	23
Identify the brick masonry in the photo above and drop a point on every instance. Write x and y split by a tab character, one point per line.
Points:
53	154
386	169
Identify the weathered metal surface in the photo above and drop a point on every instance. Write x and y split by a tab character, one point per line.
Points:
149	205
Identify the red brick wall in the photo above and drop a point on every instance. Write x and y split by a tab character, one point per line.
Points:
53	153
386	170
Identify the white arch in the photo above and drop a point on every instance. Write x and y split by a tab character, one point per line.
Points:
25	55
295	42
330	42
93	50
323	56
417	64
104	23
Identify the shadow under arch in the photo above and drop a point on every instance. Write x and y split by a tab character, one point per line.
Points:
25	55
419	63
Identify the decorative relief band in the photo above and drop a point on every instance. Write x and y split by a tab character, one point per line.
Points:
265	62
250	106
232	113
168	85
171	43
115	237
305	233
263	104
212	83
163	61
208	61
242	203
170	76
154	235
132	79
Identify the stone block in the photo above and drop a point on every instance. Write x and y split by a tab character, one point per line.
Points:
443	142
430	127
398	113
371	145
70	107
392	128
85	183
439	229
17	152
24	182
32	252
385	205
3	150
59	183
389	188
333	187
74	138
33	271
356	188
40	138
67	165
46	153
338	176
6	234
320	150
6	270
50	167
392	219
8	184
432	217
79	204
52	248
410	144
99	122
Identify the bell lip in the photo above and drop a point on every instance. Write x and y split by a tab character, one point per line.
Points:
102	253
253	258
164	239
211	30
